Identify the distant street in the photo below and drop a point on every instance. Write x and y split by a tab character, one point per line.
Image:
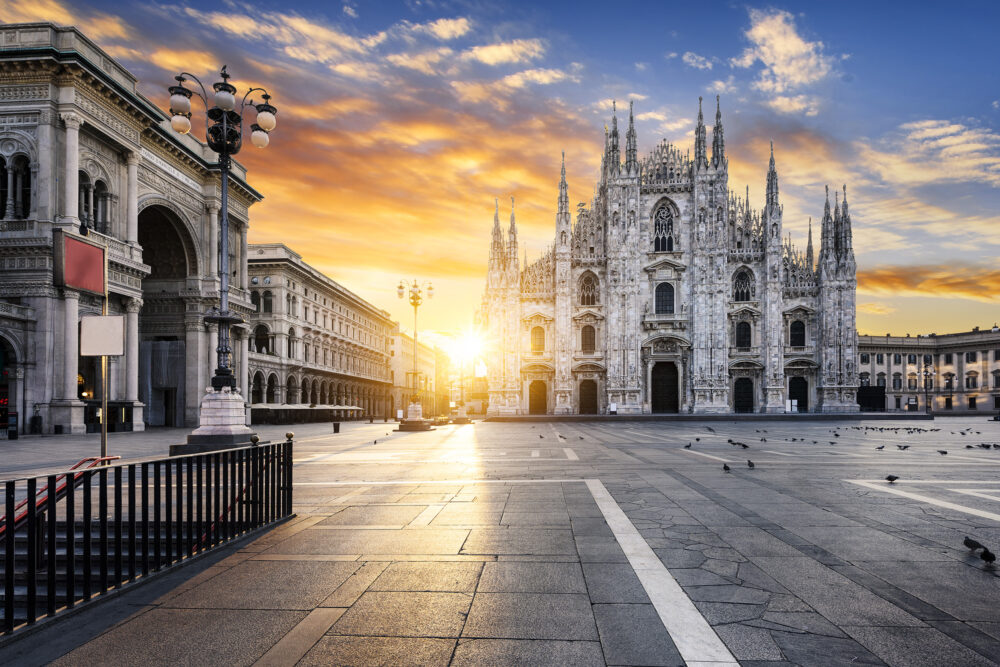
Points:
583	544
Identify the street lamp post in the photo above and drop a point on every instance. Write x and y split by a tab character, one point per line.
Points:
414	412
928	374
221	423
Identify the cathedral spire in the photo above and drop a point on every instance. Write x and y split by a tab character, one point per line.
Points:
846	242
512	231
826	250
615	152
772	183
497	244
700	160
809	246
631	160
718	142
563	189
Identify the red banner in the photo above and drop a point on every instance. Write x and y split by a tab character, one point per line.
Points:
79	264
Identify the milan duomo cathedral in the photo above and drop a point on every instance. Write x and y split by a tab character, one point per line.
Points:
671	294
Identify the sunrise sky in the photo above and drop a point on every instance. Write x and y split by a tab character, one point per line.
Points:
399	123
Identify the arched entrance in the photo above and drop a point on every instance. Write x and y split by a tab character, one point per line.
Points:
537	398
588	397
665	396
798	390
743	395
165	342
8	393
257	388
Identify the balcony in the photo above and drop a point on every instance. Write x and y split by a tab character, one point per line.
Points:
744	352
652	321
17	312
803	350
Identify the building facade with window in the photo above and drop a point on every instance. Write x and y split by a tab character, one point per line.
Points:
670	293
313	341
82	149
948	373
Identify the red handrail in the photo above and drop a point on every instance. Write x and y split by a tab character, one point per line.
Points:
21	512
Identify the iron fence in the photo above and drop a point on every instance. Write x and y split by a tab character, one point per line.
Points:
73	536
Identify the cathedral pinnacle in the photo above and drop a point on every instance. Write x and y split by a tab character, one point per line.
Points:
809	246
631	151
718	141
614	155
772	183
700	158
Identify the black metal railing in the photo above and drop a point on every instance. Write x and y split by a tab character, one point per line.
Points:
102	528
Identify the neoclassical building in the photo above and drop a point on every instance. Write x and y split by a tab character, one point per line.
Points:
313	341
671	293
79	144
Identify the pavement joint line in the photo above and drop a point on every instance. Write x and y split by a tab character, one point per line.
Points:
570	454
296	643
883	486
708	456
456	461
465	482
933	481
693	636
425	517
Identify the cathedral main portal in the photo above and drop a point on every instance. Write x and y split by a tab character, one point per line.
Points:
665	394
536	398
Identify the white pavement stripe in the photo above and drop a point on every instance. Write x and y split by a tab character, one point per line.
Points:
883	486
570	454
348	496
425	517
645	434
707	456
934	481
694	638
979	493
771	451
535	454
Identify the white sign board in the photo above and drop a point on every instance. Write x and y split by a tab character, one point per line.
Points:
399	414
613	408
102	335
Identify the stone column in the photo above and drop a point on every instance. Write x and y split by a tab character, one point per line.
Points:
71	343
244	280
132	307
8	213
91	218
33	209
71	168
132	198
18	199
213	239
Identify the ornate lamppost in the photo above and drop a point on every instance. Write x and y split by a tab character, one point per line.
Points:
928	374
414	412
221	424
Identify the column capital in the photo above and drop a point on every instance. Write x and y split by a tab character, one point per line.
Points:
69	293
212	207
132	158
133	305
72	120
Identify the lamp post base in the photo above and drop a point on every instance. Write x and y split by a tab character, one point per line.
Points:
223	424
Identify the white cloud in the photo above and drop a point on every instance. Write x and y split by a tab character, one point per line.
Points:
692	59
424	62
788	60
670	56
445	29
723	87
539	76
516	51
996	104
641	67
351	11
790	104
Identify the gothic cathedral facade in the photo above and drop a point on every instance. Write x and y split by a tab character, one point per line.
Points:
671	294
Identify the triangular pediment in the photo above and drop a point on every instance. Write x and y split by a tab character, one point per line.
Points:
666	343
744	311
538	367
665	263
800	310
537	317
588	367
588	314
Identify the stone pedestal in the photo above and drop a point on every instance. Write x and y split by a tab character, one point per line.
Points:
69	415
462	417
414	419
222	416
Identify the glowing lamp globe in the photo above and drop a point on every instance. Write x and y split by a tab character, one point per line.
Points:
180	124
259	138
266	120
430	291
180	104
224	100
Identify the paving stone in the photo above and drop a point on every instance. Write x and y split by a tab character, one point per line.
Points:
599	549
423	541
751	575
513	540
614	583
672	558
530	616
528	652
418	576
755	542
268	585
540	518
805	621
518	577
698	577
633	634
591	526
368	515
723	568
724	612
405	615
187	636
960	590
806	649
863	543
729	593
381	651
748	643
919	647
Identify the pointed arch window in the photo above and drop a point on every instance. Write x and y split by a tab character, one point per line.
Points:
588	290
664	304
663	230
743	287
588	339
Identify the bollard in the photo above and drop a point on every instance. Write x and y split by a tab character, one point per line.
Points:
336	427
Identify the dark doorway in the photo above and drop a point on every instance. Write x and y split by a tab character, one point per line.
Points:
588	397
665	395
743	395
798	390
536	398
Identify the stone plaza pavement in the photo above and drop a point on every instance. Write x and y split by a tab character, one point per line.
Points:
583	544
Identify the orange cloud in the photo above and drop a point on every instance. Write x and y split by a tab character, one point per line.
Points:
967	282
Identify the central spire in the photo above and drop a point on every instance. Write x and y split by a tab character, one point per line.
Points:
772	182
700	159
615	152
631	159
718	142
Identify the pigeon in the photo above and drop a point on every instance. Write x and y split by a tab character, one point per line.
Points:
730	441
988	556
942	452
581	437
996	446
687	446
750	464
541	437
972	544
891	478
710	429
902	447
697	439
969	447
763	439
880	447
744	446
375	442
725	467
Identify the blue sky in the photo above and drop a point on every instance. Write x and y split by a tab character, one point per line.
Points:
400	122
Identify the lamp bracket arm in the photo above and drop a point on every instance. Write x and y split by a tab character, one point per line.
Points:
203	95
